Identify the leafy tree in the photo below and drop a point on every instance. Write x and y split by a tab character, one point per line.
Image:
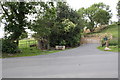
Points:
24	35
56	25
102	17
118	10
67	26
43	23
98	13
65	12
15	19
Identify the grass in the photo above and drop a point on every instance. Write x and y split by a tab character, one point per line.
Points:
112	29
113	48
29	51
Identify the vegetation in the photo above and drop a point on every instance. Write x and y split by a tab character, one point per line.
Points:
26	50
54	23
57	25
9	47
15	20
67	27
113	48
43	24
118	9
112	29
98	13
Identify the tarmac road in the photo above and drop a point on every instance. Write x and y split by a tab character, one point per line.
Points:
85	61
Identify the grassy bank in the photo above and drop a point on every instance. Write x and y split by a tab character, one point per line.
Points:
111	29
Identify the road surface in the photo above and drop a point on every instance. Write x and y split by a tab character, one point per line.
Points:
85	61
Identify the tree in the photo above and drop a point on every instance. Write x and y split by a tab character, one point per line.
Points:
15	19
118	10
67	26
102	17
98	13
65	12
24	35
53	25
43	23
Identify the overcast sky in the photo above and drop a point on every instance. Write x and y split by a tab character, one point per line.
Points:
76	4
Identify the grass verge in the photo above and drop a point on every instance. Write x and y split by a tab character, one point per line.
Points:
113	48
30	52
111	29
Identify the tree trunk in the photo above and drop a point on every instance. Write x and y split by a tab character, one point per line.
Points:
91	30
48	46
17	42
39	44
48	43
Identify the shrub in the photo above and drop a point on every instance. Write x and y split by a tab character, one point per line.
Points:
65	33
9	47
62	43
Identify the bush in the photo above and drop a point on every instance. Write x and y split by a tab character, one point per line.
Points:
65	33
62	43
9	47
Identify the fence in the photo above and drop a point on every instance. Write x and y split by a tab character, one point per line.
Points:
26	43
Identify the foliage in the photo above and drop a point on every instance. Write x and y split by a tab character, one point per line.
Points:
118	9
65	12
97	13
15	19
112	29
9	47
62	43
102	17
29	51
66	27
23	35
44	22
57	25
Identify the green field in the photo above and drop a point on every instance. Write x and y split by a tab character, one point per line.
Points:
29	51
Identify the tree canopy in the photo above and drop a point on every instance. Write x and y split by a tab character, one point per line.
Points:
97	13
54	23
15	19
